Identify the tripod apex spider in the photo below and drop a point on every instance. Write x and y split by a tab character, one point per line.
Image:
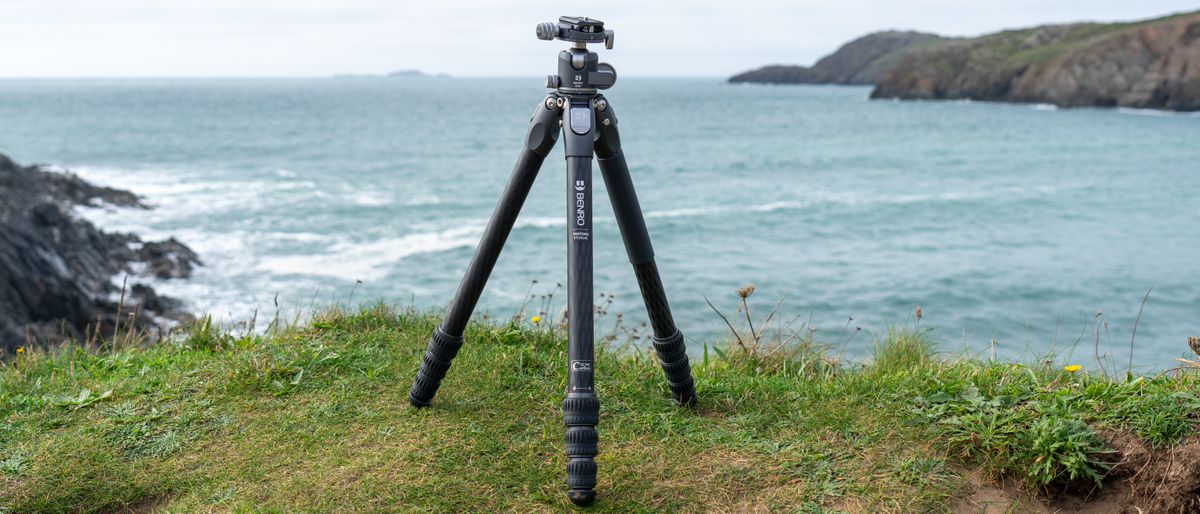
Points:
589	127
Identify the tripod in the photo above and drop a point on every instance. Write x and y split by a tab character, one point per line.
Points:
588	125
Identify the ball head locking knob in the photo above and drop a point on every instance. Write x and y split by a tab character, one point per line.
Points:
547	31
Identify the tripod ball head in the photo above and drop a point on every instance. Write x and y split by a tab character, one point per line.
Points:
576	29
579	69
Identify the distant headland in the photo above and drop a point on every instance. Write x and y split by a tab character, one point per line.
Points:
862	61
1152	64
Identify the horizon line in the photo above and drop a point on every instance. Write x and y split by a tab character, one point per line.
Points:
347	76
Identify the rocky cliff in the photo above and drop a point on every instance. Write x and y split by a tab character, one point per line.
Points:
861	61
1148	64
60	275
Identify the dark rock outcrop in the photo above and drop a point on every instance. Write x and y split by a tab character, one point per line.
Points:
167	259
1149	64
58	272
861	61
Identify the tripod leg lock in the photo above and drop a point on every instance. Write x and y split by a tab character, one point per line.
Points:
672	355
581	412
442	349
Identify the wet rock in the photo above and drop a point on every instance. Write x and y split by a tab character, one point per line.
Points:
58	272
168	259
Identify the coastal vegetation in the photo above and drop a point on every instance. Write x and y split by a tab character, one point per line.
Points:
313	416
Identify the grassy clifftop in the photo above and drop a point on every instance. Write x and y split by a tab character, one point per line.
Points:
315	418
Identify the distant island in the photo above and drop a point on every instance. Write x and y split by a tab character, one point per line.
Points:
400	74
1152	64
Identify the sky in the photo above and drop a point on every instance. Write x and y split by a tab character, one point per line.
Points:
304	38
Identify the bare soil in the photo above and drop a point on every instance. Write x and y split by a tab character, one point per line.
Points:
1141	480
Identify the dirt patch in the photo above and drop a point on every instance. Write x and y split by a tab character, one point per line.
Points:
1163	480
1140	480
147	505
984	496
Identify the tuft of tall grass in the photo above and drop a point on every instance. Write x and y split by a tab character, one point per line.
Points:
901	351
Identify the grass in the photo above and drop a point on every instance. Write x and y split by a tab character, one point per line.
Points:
315	418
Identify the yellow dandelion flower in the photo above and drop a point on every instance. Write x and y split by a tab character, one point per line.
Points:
1072	368
20	349
536	319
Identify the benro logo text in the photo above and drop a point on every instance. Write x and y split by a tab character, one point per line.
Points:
580	203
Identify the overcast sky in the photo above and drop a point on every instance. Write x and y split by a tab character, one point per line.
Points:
261	38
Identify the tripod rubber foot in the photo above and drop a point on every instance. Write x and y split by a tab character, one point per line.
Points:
686	400
442	349
581	412
582	497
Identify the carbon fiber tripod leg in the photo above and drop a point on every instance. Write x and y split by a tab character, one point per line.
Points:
581	407
448	338
668	340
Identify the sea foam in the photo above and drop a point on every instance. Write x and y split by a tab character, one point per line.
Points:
372	260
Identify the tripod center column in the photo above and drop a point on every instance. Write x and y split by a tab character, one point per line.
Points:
579	281
581	408
578	132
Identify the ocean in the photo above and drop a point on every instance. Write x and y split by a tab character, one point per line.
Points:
1021	230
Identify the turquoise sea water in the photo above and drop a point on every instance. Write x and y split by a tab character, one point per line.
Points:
1005	222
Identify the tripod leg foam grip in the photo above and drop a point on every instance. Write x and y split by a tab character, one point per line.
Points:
672	355
442	349
581	412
